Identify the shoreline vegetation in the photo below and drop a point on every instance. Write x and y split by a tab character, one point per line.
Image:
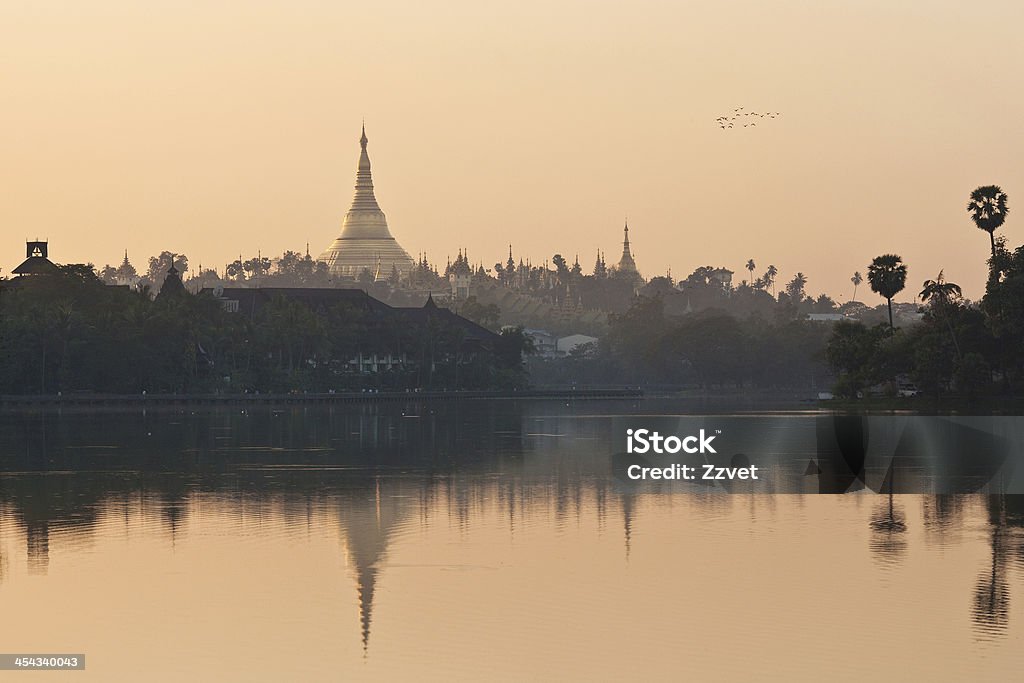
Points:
64	331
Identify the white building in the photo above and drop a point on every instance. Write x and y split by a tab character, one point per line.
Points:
565	345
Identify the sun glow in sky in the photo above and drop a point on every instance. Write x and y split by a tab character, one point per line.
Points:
221	128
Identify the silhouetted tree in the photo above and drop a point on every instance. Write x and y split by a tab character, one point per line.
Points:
988	210
795	288
940	296
888	276
769	278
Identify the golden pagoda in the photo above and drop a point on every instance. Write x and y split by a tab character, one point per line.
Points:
365	242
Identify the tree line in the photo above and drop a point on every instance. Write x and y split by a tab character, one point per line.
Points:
712	349
959	347
71	332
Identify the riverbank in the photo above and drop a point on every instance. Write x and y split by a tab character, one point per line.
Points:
108	400
929	405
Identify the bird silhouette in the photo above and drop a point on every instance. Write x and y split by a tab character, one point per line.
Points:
737	115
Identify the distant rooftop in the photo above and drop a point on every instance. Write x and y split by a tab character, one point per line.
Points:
36	262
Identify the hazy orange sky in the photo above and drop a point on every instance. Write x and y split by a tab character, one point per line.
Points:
216	128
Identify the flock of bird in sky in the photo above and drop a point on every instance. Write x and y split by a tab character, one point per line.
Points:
747	118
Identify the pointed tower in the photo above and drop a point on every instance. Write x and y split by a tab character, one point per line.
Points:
365	237
172	285
599	268
626	263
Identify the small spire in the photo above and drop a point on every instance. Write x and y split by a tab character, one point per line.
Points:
363	139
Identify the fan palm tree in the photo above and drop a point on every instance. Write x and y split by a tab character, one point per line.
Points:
888	276
750	267
941	295
988	210
856	280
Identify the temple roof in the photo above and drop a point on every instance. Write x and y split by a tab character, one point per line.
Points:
172	285
322	300
36	261
36	265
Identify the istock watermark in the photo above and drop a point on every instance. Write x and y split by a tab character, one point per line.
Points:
643	441
827	453
647	441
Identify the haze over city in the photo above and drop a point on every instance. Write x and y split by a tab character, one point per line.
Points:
214	130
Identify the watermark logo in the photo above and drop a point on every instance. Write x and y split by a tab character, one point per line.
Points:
643	441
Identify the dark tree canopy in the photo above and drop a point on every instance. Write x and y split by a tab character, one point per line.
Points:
988	209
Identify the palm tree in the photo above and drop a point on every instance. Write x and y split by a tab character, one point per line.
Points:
769	278
888	276
941	295
795	288
988	210
856	280
750	267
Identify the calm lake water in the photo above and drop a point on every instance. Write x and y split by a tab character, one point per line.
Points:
473	540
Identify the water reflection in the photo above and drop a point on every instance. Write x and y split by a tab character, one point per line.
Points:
943	515
990	606
370	509
409	498
888	523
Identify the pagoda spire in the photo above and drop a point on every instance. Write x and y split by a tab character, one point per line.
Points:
626	263
364	199
364	232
